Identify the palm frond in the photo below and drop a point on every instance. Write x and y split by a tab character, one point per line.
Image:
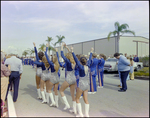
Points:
117	25
124	26
60	38
49	39
42	47
51	48
128	31
111	33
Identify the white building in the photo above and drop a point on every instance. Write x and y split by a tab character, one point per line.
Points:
132	45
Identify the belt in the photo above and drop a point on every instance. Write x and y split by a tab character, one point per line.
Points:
15	71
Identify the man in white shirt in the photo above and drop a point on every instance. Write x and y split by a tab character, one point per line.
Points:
15	76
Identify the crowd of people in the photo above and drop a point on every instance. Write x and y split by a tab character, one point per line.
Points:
80	72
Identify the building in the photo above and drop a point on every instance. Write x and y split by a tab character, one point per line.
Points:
132	45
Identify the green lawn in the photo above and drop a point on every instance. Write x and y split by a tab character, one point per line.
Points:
143	72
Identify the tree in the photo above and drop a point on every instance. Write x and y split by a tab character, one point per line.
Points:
31	51
119	29
49	40
42	47
25	53
51	48
60	38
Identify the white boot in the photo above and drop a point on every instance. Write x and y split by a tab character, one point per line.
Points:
79	110
43	97
52	99
66	103
47	97
56	100
74	108
86	110
39	94
45	91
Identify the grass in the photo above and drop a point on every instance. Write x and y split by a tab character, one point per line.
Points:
143	72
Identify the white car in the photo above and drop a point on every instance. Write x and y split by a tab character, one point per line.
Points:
111	65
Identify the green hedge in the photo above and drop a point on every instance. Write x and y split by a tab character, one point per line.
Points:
145	60
143	72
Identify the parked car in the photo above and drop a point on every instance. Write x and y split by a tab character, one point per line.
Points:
111	65
139	65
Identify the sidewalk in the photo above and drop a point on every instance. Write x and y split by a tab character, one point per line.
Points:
107	102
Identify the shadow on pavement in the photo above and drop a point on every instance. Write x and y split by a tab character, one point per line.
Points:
111	84
112	88
110	113
31	90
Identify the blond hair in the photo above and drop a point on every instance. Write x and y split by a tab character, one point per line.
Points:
56	64
44	60
70	57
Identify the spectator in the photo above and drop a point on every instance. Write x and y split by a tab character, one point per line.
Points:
132	73
128	77
5	72
15	76
125	55
123	68
136	58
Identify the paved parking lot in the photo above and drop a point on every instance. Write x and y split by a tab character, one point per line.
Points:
107	102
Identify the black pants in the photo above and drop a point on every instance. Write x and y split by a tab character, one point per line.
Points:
14	78
123	75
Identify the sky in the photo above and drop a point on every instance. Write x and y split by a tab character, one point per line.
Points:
25	22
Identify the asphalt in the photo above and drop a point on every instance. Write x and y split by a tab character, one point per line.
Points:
107	102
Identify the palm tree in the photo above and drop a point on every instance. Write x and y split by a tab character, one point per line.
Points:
51	48
42	47
119	29
25	53
49	40
60	38
31	51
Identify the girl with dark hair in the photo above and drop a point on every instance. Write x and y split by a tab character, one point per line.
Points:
42	74
70	79
54	78
83	83
101	63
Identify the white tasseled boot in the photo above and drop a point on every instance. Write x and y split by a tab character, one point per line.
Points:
66	103
43	97
56	100
74	108
79	110
86	110
52	99
39	94
47	97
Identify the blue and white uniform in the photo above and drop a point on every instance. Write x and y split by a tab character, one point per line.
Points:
101	63
92	63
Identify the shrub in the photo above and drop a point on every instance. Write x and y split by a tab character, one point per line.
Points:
142	72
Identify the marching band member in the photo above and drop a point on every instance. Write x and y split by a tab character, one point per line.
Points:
101	63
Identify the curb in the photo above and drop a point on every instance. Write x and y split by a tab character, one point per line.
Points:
10	105
142	77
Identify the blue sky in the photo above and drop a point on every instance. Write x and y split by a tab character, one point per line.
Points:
25	22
